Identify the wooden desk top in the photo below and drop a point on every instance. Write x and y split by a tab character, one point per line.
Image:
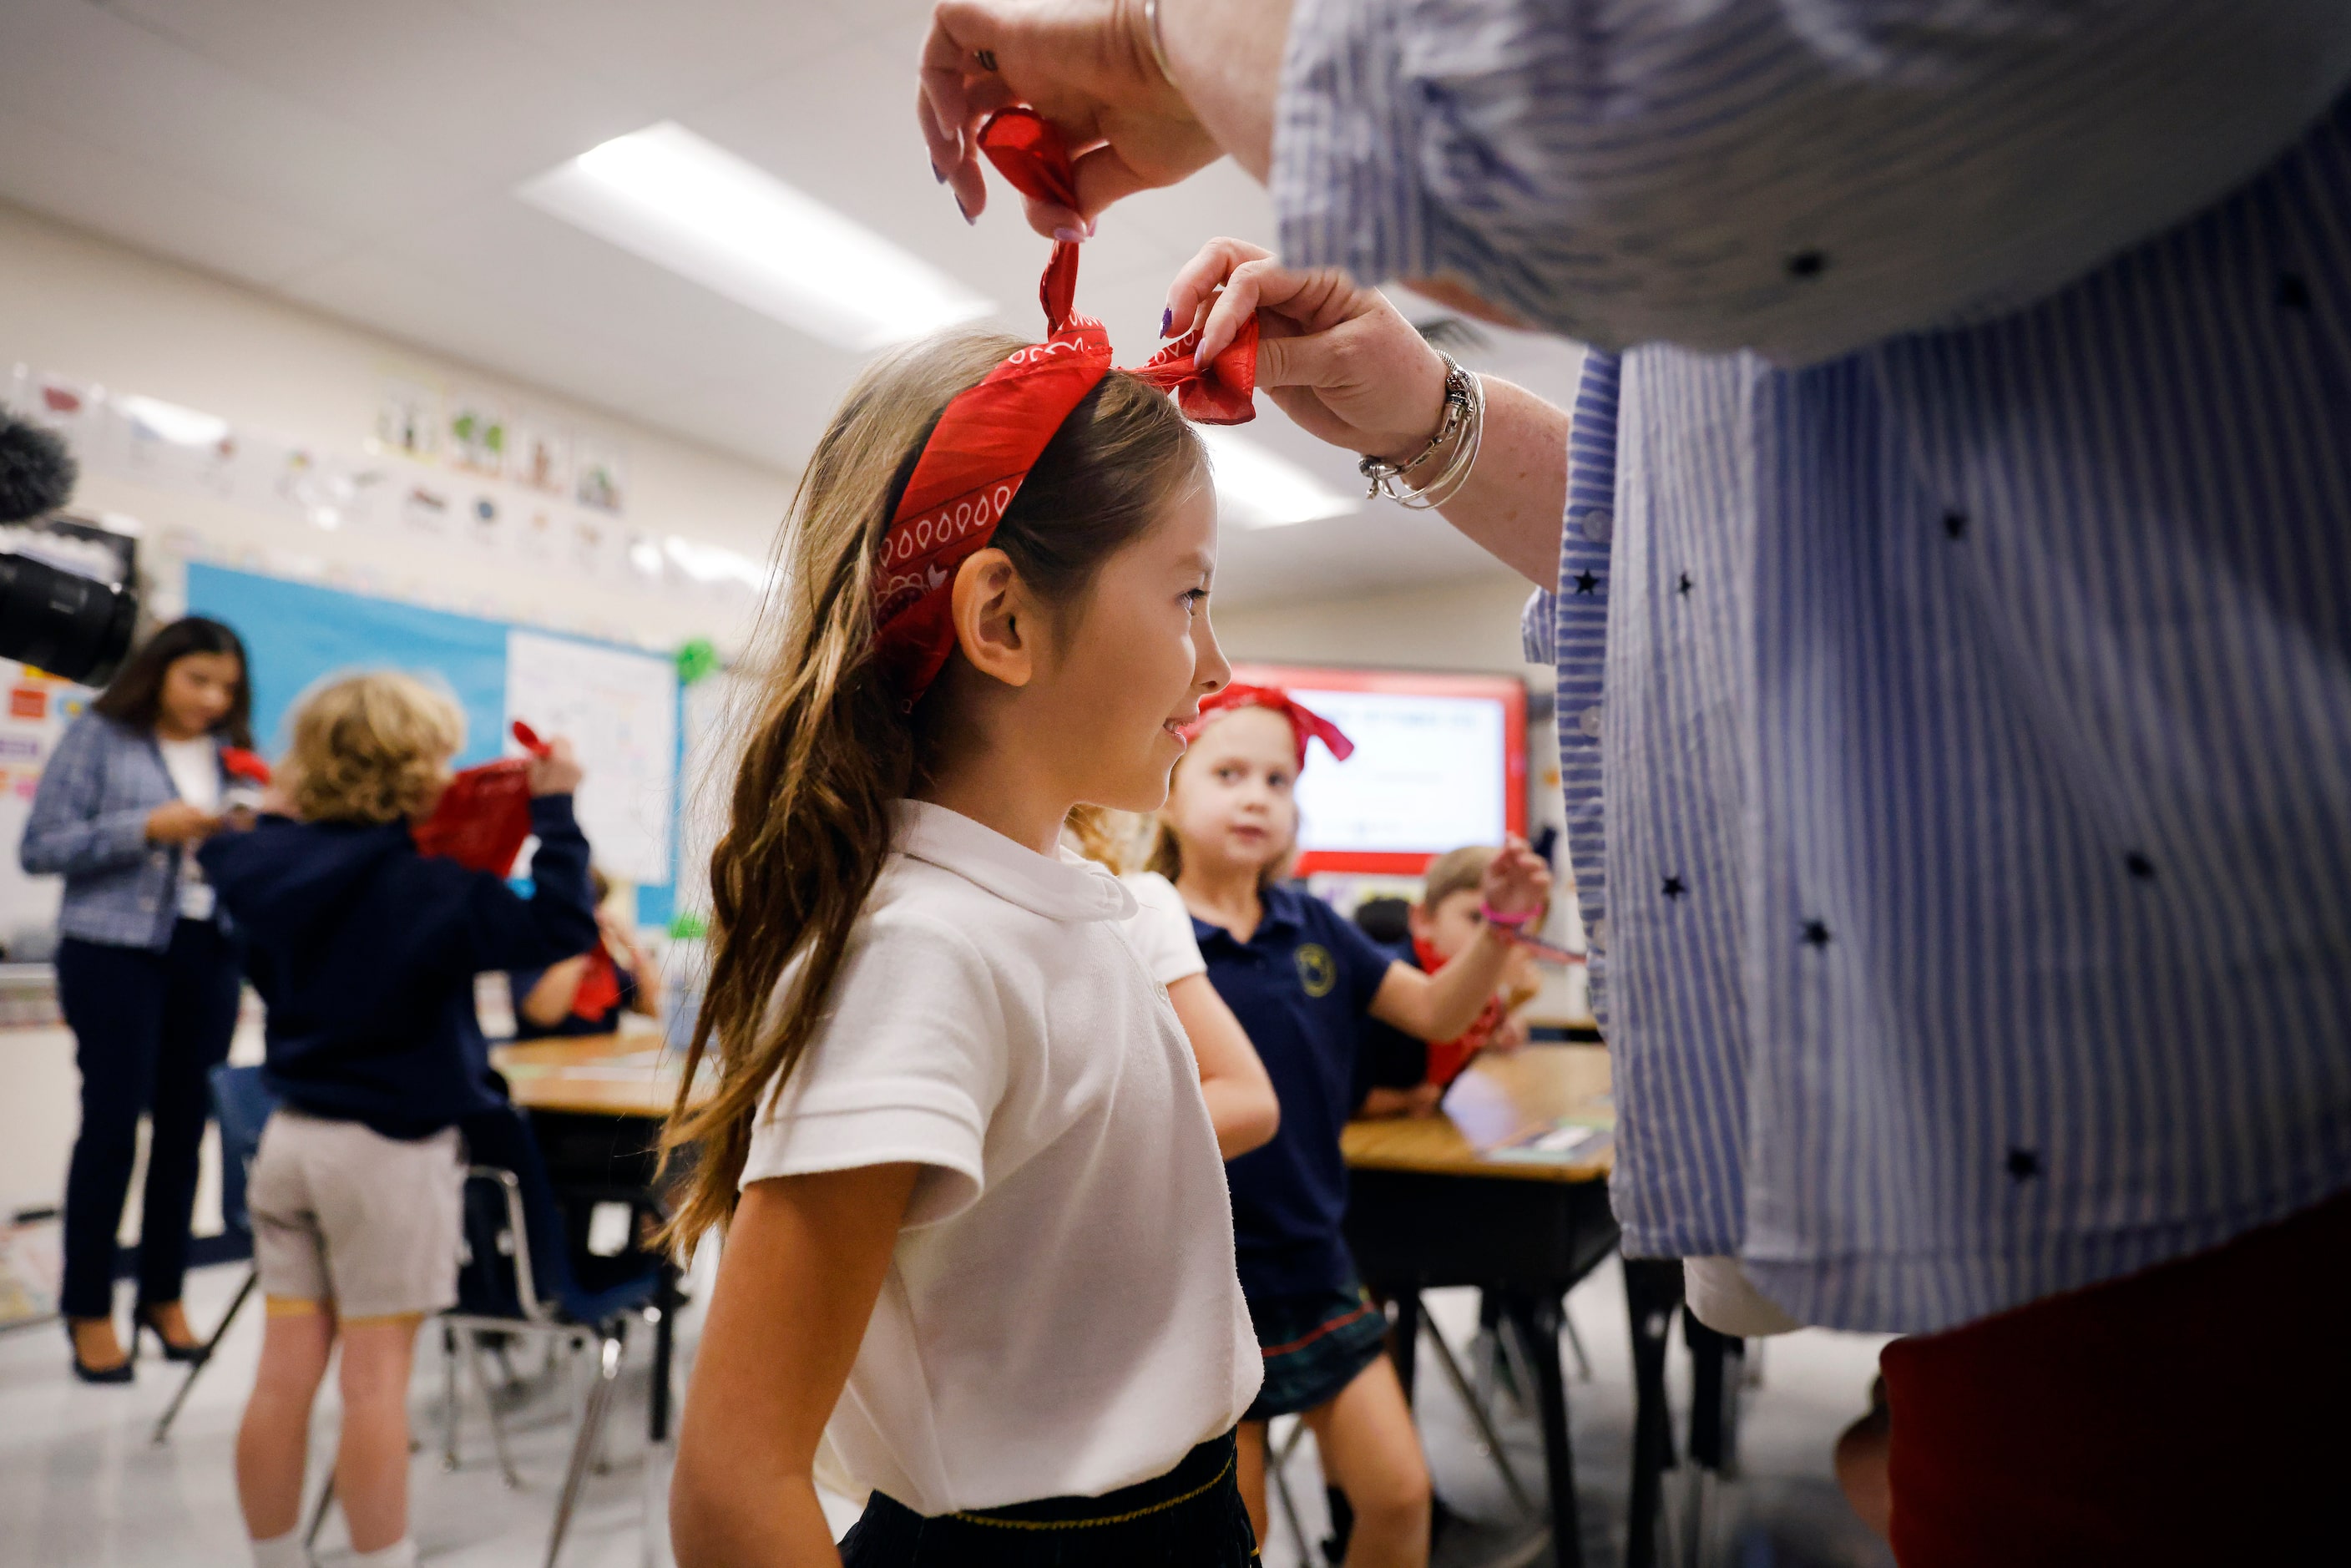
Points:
1499	1098
591	1075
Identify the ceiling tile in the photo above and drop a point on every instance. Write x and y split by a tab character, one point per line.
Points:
93	75
679	53
88	185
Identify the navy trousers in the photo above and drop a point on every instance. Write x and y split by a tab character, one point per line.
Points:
148	1028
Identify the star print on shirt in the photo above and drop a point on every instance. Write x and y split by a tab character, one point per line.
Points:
1585	582
1817	933
1675	887
2023	1165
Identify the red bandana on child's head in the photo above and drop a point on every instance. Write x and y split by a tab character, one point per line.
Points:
1304	722
991	435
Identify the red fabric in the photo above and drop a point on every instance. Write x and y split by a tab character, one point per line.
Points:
1447	1059
599	984
2192	1414
239	763
482	817
1304	722
991	435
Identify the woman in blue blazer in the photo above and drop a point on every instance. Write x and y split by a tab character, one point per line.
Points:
148	974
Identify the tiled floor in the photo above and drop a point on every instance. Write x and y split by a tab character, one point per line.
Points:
81	1487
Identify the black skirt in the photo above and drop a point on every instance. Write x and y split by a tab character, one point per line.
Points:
1192	1517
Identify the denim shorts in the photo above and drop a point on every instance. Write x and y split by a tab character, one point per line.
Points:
1192	1517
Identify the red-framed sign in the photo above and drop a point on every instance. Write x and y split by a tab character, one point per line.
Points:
1440	761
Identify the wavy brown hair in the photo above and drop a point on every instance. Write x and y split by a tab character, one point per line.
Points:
829	747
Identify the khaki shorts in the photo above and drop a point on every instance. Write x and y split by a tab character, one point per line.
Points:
343	1215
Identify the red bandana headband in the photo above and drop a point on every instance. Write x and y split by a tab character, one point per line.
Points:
1304	722
990	436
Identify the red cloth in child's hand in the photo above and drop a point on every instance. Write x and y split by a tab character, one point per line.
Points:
482	817
599	984
1449	1057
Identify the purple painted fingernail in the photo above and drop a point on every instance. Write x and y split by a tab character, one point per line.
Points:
965	211
1168	322
1069	236
942	179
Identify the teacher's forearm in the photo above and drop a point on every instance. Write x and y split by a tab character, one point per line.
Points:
1225	58
1513	501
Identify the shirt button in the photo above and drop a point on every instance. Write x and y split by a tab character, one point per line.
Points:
1596	524
1588	721
1595	935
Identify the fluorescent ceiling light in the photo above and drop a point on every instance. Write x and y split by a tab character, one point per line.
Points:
1260	490
668	195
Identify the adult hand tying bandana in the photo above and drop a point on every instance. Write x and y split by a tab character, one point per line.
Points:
991	435
1304	722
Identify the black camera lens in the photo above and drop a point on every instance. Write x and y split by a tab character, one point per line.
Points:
66	624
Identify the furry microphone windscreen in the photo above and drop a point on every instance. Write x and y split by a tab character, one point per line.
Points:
36	471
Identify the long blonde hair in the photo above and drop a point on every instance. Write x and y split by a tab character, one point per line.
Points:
830	750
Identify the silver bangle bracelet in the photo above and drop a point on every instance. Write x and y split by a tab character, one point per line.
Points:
1463	423
1158	49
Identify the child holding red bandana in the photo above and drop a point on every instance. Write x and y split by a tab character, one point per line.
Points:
976	1235
1301	979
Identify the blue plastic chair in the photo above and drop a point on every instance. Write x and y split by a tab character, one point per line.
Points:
517	1279
241	1104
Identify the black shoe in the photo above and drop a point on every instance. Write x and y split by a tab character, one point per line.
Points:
186	1354
89	1373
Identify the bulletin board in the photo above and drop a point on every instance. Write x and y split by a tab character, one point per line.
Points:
618	706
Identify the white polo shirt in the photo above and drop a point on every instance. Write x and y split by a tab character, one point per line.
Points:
1061	1316
1161	929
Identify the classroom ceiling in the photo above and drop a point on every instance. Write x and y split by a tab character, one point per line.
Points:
361	160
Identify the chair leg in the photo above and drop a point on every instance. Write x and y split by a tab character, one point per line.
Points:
448	1399
600	1402
172	1411
1575	1343
1276	1469
319	1512
490	1407
1490	1438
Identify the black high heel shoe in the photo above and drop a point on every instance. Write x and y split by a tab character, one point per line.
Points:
89	1373
186	1354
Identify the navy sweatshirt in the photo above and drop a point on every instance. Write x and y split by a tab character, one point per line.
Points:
365	953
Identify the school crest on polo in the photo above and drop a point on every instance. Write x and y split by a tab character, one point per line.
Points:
1316	970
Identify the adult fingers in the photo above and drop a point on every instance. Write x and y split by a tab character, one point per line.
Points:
1262	284
1197	281
1103	176
951	54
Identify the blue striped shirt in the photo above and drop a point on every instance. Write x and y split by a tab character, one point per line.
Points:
1957	740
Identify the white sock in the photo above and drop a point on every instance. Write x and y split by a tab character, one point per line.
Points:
281	1552
400	1553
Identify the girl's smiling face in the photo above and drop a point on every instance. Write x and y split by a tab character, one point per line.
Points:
1234	800
1138	656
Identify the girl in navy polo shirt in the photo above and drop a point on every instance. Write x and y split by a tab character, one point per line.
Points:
1300	977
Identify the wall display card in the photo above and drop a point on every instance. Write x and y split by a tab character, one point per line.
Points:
1428	774
425	509
595	543
477	435
599	474
486	523
538	456
619	710
408	419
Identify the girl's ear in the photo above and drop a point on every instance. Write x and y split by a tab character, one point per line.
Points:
995	621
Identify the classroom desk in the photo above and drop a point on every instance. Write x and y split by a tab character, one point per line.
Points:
597	1103
1431	1206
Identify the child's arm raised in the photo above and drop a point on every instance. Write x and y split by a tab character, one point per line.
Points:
805	1259
1241	1104
1440	1005
558	920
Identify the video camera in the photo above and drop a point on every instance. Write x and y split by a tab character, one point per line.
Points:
64	621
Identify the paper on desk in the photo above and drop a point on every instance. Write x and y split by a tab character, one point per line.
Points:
1570	1140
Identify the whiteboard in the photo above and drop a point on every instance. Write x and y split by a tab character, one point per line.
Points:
619	709
1429	773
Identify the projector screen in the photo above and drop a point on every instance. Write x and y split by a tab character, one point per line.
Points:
1440	762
